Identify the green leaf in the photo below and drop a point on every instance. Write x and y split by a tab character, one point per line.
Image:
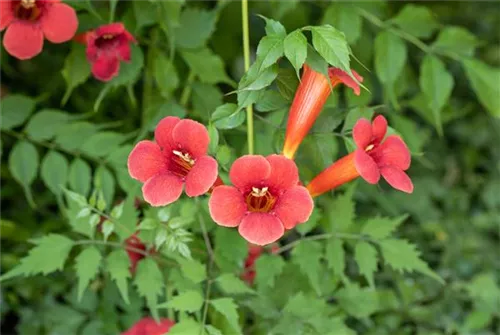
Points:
193	270
484	82
87	266
129	71
316	62
307	255
144	13
456	40
186	326
229	309
366	257
256	79
390	57
190	301
358	302
105	182
295	49
436	84
206	98
332	46
45	124
381	227
76	69
107	229
229	239
54	171
345	18
72	136
47	256
129	218
231	284
287	82
165	75
354	115
267	269
342	211
269	50
208	66
196	26
149	282
270	100
118	266
310	224
212	330
274	27
103	143
80	176
403	257
228	116
213	133
23	165
16	109
335	256
416	20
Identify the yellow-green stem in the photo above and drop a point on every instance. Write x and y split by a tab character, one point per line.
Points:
246	56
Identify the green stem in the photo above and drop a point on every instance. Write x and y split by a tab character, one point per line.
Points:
147	90
186	92
209	272
246	56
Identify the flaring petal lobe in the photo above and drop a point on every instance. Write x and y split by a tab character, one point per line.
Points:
227	206
163	132
249	171
105	68
284	172
393	151
261	228
397	178
379	128
366	166
294	206
162	189
362	133
191	136
348	80
6	14
110	29
202	176
23	40
59	23
145	161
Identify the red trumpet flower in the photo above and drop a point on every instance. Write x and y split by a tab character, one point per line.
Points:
148	326
254	252
308	102
178	157
29	21
373	157
265	200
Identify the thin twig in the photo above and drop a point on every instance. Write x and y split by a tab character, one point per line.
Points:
209	272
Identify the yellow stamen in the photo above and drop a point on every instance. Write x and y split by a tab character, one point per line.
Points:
107	36
28	3
370	147
185	157
257	192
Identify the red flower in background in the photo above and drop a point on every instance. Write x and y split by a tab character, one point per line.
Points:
265	200
254	252
27	22
178	157
373	157
148	326
134	256
107	46
308	102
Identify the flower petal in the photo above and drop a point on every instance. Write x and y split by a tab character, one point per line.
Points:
379	128
284	172
6	14
114	29
146	160
191	136
393	151
366	166
362	133
59	22
261	228
162	189
294	206
202	176
105	67
23	40
249	171
342	76
397	178
163	132
150	327
227	206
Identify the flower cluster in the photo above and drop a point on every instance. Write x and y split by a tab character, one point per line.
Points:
266	197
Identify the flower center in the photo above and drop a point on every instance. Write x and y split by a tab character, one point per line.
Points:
370	147
106	41
27	10
260	200
181	163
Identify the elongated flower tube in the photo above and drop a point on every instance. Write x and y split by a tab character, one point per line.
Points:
373	157
308	102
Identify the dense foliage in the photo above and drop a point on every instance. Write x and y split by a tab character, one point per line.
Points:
83	253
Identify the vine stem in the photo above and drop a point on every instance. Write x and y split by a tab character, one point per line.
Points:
328	236
186	92
246	56
209	271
